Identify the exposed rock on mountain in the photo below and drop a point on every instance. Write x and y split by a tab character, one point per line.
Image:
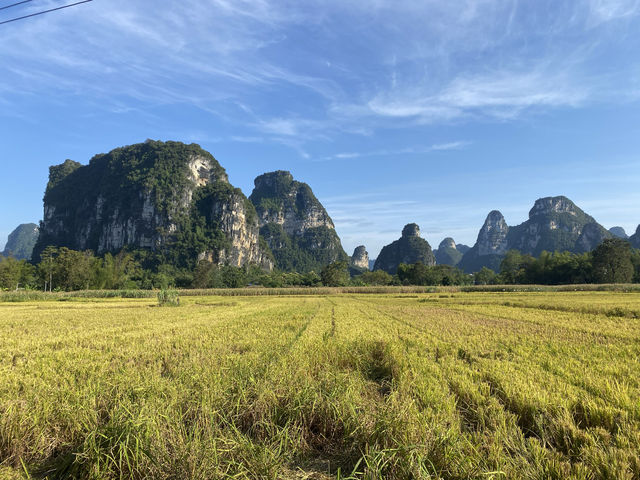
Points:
167	197
492	239
294	223
360	258
410	248
591	236
554	224
618	232
490	246
635	238
21	241
448	253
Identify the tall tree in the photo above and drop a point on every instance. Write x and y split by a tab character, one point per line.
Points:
335	274
612	262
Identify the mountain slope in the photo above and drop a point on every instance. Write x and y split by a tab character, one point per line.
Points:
408	249
635	238
167	197
448	253
21	241
618	232
554	224
294	224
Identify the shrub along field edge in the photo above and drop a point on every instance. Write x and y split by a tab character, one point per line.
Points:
32	295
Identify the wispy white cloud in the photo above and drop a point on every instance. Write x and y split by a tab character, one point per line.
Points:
438	147
608	10
450	145
370	65
503	94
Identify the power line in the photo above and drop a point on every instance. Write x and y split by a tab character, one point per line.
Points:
44	11
14	4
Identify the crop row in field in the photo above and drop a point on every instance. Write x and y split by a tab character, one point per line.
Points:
445	385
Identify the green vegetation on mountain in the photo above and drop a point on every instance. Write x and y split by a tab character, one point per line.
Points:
448	253
555	224
58	172
170	201
294	224
312	250
472	262
635	238
410	248
619	232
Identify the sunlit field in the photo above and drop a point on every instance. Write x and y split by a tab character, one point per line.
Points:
446	385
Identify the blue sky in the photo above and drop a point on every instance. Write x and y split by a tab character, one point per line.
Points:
393	111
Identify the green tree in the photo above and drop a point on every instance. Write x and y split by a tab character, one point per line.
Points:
335	274
47	267
612	262
233	277
16	274
485	276
421	274
75	270
635	259
378	277
116	272
513	268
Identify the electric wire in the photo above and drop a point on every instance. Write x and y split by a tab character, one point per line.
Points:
44	11
15	4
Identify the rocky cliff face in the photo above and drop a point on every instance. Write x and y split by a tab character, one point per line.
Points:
635	238
166	197
294	223
618	232
492	239
554	224
360	258
490	246
236	218
410	248
21	242
591	236
447	253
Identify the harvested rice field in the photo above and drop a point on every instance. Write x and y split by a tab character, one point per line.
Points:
453	385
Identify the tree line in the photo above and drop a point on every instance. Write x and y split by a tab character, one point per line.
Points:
613	261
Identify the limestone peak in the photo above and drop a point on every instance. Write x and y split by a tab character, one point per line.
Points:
411	230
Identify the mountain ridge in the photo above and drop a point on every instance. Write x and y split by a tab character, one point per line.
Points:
554	224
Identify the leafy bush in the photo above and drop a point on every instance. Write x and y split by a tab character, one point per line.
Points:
168	298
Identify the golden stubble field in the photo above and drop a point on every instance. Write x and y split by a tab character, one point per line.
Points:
446	385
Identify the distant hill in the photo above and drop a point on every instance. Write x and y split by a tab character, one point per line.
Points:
554	224
21	242
359	262
410	248
618	232
448	253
